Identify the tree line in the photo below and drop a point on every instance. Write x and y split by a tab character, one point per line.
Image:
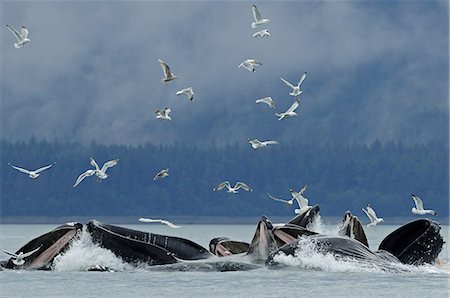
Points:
339	176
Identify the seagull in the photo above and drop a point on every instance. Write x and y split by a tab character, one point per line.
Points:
32	174
290	112
257	144
168	76
22	37
419	207
258	19
188	91
162	174
297	196
232	189
165	222
374	220
18	259
296	91
163	114
100	173
249	64
303	202
262	33
267	100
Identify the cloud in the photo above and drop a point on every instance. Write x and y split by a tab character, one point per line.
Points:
91	71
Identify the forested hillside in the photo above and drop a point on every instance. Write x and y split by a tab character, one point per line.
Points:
339	177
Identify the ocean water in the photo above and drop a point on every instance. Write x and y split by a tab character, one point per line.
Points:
307	274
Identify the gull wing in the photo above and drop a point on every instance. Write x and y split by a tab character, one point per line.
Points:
20	169
302	79
44	168
371	212
15	32
267	100
222	185
167	111
109	164
301	200
289	202
84	175
294	106
242	185
270	142
418	202
24	32
9	253
30	252
165	68
168	223
303	190
256	14
94	164
368	215
287	83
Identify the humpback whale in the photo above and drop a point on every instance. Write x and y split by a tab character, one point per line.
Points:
51	244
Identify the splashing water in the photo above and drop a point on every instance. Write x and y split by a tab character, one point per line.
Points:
83	254
318	226
309	258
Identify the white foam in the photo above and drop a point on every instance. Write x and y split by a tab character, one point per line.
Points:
319	227
309	258
83	253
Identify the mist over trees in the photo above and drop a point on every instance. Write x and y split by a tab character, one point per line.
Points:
340	177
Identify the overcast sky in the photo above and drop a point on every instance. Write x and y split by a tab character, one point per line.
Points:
376	70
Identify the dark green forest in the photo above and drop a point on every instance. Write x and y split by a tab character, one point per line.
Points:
339	177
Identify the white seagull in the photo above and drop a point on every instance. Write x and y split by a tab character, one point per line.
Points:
32	174
267	100
250	64
374	220
257	144
290	112
22	37
296	91
162	174
168	75
262	33
419	207
163	114
100	173
232	189
303	202
162	221
258	19
188	92
18	259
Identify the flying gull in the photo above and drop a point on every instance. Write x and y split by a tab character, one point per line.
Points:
303	202
290	112
162	174
232	189
374	220
267	100
162	221
257	144
419	207
258	19
250	64
163	114
32	174
296	91
168	75
100	173
22	37
188	92
18	259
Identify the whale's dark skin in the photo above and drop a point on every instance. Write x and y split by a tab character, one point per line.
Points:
51	244
141	247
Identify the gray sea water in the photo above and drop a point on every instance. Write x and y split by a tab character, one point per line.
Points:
307	275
